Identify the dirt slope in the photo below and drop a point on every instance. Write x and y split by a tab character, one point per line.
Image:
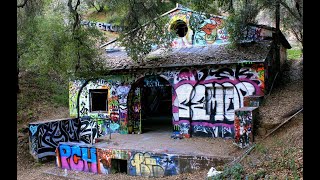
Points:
279	156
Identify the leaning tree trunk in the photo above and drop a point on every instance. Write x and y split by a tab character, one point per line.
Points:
75	28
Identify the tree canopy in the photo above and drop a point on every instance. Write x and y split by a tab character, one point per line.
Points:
50	38
138	37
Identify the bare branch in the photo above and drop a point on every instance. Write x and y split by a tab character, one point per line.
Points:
75	13
291	12
78	3
92	4
231	6
298	7
70	6
23	4
298	35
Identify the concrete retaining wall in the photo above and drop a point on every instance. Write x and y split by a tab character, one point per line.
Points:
88	158
44	136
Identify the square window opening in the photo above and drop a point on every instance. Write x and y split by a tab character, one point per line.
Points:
98	100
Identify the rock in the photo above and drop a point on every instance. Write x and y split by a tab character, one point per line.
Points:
213	172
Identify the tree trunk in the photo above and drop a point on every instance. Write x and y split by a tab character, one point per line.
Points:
100	8
277	54
76	25
18	71
23	4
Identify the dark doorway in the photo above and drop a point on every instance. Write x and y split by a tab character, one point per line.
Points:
118	166
156	104
150	105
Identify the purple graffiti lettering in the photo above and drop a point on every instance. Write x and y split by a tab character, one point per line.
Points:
77	158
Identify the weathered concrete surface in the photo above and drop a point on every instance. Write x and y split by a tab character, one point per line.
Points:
160	142
151	154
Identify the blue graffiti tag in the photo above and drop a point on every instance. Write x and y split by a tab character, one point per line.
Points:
114	126
33	129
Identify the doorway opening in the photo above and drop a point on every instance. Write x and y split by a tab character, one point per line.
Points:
156	106
155	99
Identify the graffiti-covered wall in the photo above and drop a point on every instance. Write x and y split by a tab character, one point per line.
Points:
203	99
116	88
102	25
245	118
77	157
206	98
200	30
81	157
153	165
74	88
44	137
92	128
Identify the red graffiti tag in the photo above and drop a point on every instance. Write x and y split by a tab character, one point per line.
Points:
208	28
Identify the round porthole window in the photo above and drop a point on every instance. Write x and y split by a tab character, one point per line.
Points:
179	27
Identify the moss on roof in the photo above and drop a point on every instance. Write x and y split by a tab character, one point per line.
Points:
189	56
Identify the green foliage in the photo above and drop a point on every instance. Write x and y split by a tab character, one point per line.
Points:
97	17
42	88
294	54
260	174
234	172
56	88
205	6
50	44
291	16
261	148
51	48
98	5
139	42
142	25
238	20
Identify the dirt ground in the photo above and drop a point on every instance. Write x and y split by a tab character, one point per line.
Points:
279	156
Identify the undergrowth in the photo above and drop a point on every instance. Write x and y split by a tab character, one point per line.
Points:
294	54
37	90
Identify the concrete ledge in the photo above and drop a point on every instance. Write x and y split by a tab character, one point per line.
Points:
87	158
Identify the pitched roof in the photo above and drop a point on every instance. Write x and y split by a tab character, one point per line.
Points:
253	51
191	56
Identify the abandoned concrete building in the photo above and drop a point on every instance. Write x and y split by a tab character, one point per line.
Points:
198	88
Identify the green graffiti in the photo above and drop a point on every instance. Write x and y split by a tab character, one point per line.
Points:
114	102
261	73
